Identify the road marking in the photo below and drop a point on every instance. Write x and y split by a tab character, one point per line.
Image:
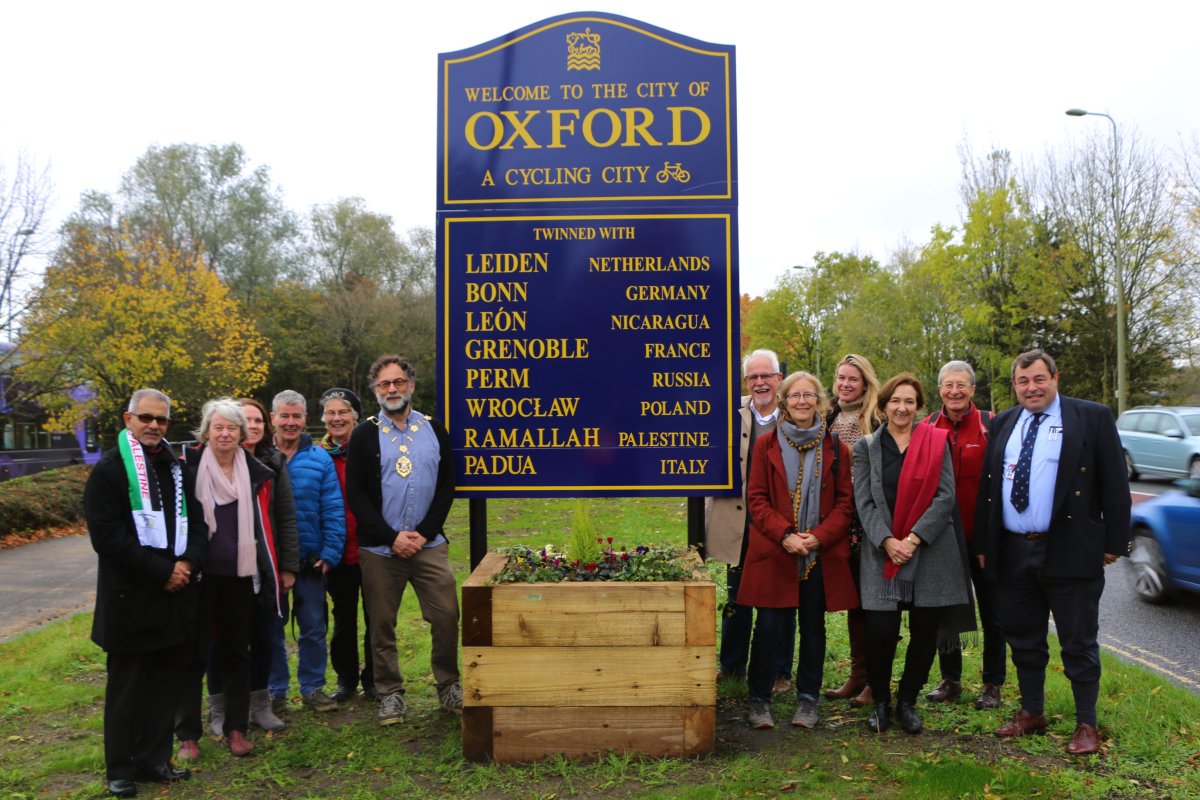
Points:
1151	665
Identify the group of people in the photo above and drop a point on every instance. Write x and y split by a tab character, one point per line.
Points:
855	502
851	502
205	555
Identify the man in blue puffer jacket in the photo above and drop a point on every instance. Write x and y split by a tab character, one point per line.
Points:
321	525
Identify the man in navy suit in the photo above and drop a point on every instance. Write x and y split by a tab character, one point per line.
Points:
1053	512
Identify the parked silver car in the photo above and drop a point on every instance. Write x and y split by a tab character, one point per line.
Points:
1163	440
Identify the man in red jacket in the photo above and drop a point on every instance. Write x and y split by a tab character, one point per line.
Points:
967	426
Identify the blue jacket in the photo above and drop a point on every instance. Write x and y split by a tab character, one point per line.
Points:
320	511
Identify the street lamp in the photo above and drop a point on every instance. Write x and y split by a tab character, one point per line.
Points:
817	302
1122	378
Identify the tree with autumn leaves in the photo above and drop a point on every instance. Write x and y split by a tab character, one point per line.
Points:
118	311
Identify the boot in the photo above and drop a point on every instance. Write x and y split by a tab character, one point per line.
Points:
261	714
863	699
216	714
856	625
239	745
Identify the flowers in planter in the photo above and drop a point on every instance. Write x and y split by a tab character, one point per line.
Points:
546	565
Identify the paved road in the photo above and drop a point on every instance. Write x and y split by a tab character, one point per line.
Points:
45	580
1161	638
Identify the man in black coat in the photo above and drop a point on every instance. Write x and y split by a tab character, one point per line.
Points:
147	528
1053	511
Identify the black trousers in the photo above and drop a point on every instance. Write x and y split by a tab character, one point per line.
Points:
995	657
139	709
344	585
227	607
883	634
1025	600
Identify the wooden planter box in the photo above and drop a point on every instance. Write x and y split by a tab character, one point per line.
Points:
585	668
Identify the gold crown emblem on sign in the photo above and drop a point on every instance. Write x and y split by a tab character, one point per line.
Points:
583	50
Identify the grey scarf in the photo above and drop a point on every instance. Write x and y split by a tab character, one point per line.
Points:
801	452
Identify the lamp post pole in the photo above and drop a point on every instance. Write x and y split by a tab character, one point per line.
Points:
1122	372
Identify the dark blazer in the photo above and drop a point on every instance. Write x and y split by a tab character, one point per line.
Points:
364	486
134	613
1090	514
770	578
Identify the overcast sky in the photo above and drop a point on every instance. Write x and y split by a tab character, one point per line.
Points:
849	114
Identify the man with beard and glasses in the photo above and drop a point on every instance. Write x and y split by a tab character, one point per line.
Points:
400	484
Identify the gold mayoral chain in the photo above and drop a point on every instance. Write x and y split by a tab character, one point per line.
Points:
404	464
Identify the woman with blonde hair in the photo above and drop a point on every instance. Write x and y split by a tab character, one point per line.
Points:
855	413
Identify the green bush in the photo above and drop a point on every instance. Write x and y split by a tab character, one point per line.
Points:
45	500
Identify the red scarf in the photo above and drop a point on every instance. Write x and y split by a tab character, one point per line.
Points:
919	479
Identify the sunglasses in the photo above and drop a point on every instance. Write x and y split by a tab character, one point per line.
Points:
146	419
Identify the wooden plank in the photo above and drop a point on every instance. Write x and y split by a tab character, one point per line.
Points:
699	729
476	615
477	733
589	676
491	564
589	598
527	734
551	628
700	604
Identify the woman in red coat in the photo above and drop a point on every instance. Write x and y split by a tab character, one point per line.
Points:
800	500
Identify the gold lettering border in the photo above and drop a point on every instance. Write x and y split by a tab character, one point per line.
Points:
727	85
730	378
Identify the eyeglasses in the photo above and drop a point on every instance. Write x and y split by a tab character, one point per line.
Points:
808	396
339	412
956	387
760	376
399	383
146	419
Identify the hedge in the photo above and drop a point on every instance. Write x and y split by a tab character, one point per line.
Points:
45	500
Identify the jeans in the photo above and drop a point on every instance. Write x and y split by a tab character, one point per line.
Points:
312	617
775	625
736	624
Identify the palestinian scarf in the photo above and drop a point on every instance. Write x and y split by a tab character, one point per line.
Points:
145	496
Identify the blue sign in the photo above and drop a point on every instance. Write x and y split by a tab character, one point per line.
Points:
586	108
587	262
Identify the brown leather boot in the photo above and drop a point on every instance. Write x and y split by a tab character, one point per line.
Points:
856	625
863	699
239	745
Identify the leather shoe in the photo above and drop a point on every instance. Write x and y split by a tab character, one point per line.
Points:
122	787
989	697
189	750
239	745
881	718
782	685
162	773
1023	723
863	699
847	690
1085	741
906	715
946	691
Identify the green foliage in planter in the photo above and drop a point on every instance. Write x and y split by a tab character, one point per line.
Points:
642	564
45	500
585	545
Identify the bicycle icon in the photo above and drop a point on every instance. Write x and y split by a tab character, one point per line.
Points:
673	171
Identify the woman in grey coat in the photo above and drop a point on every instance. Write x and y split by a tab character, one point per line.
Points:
913	554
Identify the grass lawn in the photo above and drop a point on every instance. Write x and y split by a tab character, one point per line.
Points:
51	699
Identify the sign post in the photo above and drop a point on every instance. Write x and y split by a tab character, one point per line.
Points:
588	336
